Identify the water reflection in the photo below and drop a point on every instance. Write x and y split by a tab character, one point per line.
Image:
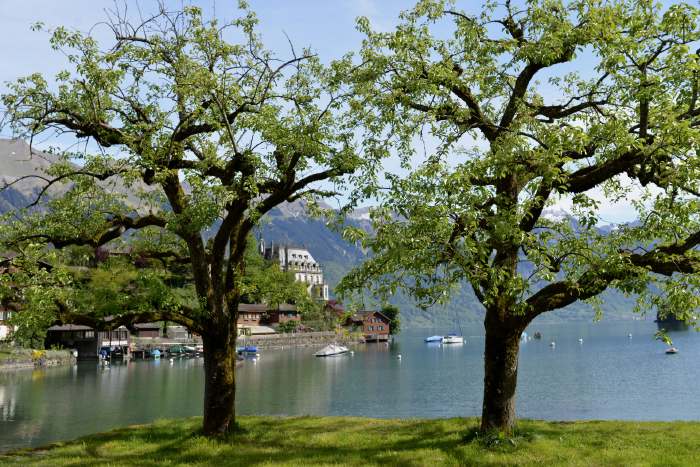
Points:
609	376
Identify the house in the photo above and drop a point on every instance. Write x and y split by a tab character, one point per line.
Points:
374	325
284	313
258	318
86	340
299	261
150	330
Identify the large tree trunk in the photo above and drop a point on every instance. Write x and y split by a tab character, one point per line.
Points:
500	375
219	383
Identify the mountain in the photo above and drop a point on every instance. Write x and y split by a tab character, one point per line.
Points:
290	224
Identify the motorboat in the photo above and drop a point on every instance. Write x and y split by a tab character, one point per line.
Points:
248	349
671	350
453	339
332	349
433	339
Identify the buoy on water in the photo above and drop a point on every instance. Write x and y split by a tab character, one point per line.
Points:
552	344
398	356
580	340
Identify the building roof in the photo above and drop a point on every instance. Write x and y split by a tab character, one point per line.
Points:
361	314
70	327
252	307
335	305
262	308
81	327
148	325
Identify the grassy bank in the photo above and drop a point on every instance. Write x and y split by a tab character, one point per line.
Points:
361	441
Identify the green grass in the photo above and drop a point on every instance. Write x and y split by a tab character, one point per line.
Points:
363	441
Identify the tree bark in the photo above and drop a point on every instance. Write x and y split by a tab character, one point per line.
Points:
219	383
500	375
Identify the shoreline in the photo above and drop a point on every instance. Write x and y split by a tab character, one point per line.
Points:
26	359
300	339
365	441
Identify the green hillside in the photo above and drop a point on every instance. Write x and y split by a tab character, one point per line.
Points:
337	257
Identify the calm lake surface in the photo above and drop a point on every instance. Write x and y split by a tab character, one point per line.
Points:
608	376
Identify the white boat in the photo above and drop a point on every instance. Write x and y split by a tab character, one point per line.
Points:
433	339
672	350
452	339
332	349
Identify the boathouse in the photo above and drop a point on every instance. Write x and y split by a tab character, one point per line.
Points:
86	340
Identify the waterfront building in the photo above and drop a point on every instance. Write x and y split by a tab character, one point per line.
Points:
299	261
86	340
374	325
258	318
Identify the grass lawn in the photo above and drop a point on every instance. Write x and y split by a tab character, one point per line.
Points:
363	441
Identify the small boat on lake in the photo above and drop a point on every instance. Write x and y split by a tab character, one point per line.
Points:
433	339
453	339
671	350
248	349
331	350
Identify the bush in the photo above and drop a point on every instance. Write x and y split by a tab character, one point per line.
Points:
287	327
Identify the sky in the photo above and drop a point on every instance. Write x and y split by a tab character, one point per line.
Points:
327	26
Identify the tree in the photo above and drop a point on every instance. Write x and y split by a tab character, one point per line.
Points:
502	146
193	136
392	312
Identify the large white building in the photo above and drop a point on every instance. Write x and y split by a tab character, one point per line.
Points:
299	261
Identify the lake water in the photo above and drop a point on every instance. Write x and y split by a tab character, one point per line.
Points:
608	376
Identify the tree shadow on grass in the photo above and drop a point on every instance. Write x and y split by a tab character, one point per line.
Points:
296	441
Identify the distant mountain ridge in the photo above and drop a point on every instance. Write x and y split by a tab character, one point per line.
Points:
290	223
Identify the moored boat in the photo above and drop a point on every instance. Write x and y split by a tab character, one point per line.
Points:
433	339
671	350
331	349
247	349
453	339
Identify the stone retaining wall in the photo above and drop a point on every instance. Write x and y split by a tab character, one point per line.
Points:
301	339
24	358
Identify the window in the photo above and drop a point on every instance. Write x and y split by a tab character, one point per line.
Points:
381	328
371	328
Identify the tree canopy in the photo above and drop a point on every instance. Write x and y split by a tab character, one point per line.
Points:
190	131
512	124
473	209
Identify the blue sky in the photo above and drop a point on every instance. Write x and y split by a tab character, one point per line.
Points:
328	27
